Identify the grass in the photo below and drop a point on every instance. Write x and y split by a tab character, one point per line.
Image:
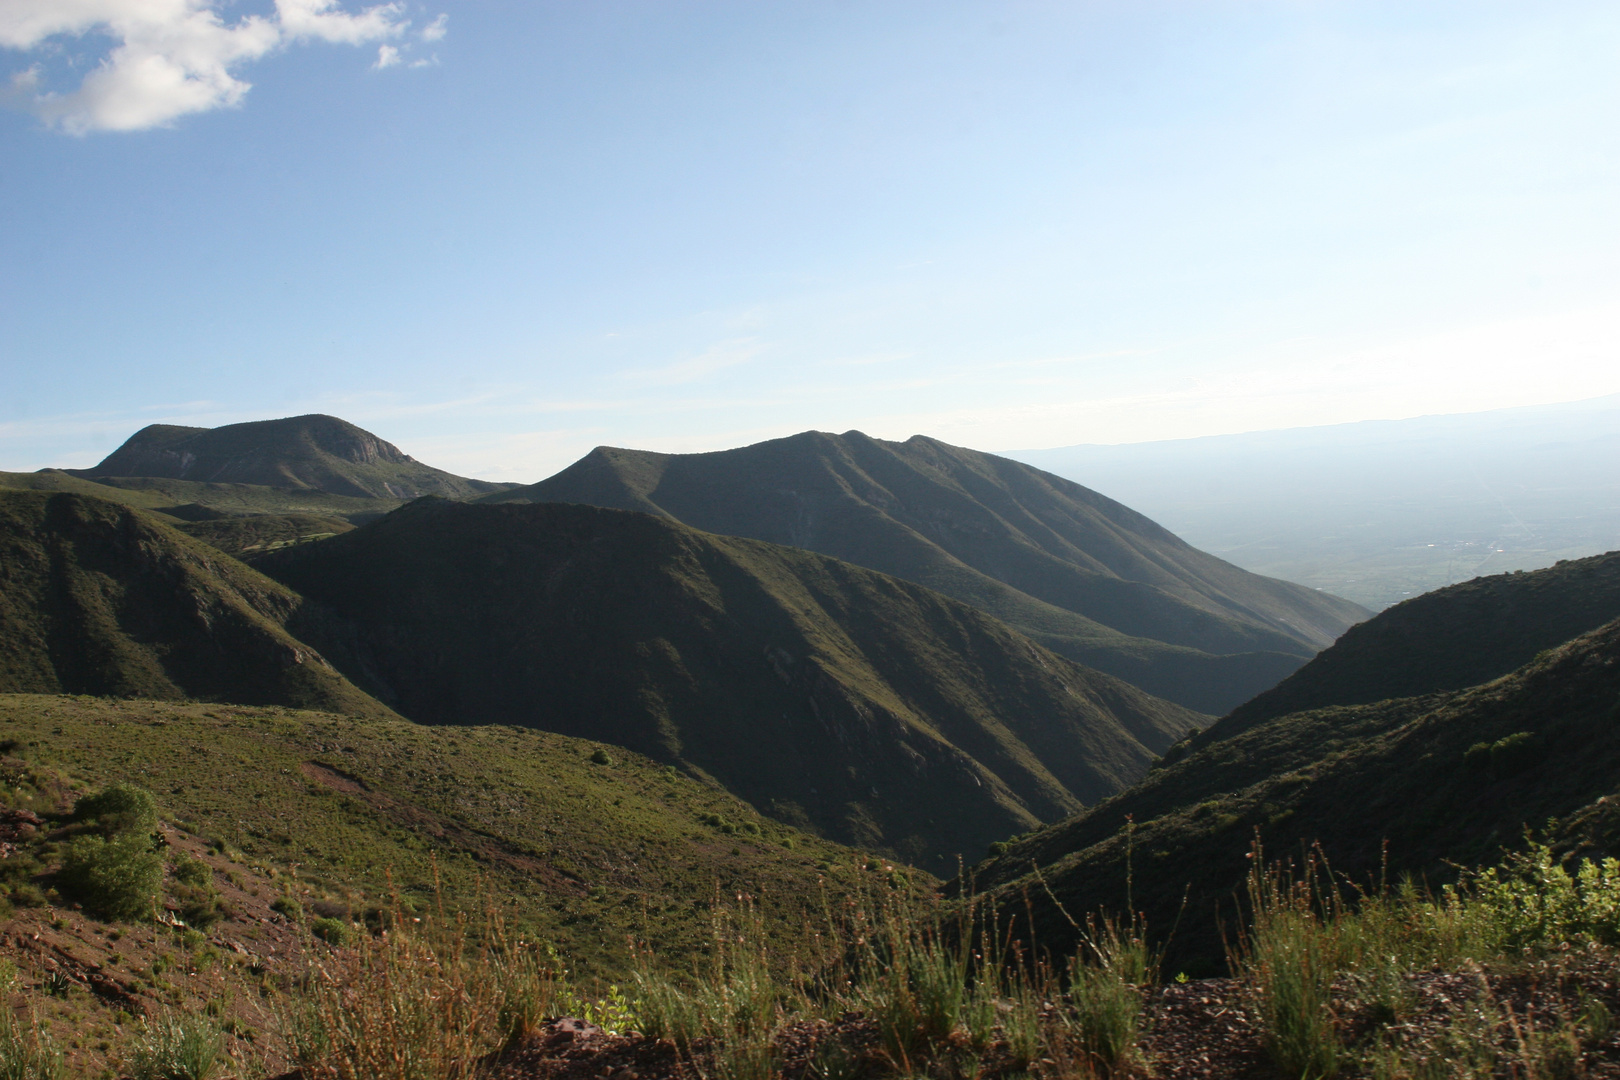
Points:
584	856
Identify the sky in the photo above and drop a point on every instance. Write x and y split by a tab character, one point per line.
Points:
500	233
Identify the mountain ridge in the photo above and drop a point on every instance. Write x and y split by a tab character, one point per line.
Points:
1080	573
830	695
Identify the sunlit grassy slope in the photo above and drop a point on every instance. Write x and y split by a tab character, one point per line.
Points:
585	847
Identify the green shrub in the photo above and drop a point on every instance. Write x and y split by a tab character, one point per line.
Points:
1505	757
332	931
192	871
288	906
601	757
119	810
116	879
177	1048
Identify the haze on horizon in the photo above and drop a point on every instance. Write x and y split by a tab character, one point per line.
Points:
500	234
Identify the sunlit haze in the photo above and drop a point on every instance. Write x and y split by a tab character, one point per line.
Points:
499	234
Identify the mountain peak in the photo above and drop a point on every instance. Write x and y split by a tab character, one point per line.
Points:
310	452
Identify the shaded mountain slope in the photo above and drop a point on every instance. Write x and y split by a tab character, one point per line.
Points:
1081	573
1404	786
1447	639
871	709
96	598
317	452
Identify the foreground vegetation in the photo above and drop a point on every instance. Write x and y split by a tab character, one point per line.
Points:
1511	972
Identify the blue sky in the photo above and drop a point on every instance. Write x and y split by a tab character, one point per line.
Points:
499	234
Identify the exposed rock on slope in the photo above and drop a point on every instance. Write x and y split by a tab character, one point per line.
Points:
871	709
1079	572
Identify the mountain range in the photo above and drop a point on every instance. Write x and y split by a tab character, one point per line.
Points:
1078	572
859	706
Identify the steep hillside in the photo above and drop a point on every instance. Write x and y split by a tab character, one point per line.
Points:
1408	786
96	598
876	711
1080	573
317	452
1447	639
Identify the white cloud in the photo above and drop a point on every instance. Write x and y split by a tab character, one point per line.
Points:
387	57
435	30
171	57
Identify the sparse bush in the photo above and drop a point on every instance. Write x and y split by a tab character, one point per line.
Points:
1102	1011
289	907
177	1048
1290	957
115	878
27	1055
118	810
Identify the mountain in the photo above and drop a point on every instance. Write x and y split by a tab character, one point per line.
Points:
97	598
315	452
1381	510
1080	573
1412	786
1446	640
870	709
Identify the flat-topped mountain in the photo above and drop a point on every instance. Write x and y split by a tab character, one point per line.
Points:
97	598
1082	574
1412	786
867	708
1447	639
322	453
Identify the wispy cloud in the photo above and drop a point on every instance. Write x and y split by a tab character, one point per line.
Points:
716	358
172	58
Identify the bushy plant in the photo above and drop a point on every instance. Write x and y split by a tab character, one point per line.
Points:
332	931
118	810
115	878
1290	955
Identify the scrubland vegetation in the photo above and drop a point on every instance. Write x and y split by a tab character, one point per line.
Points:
1507	971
